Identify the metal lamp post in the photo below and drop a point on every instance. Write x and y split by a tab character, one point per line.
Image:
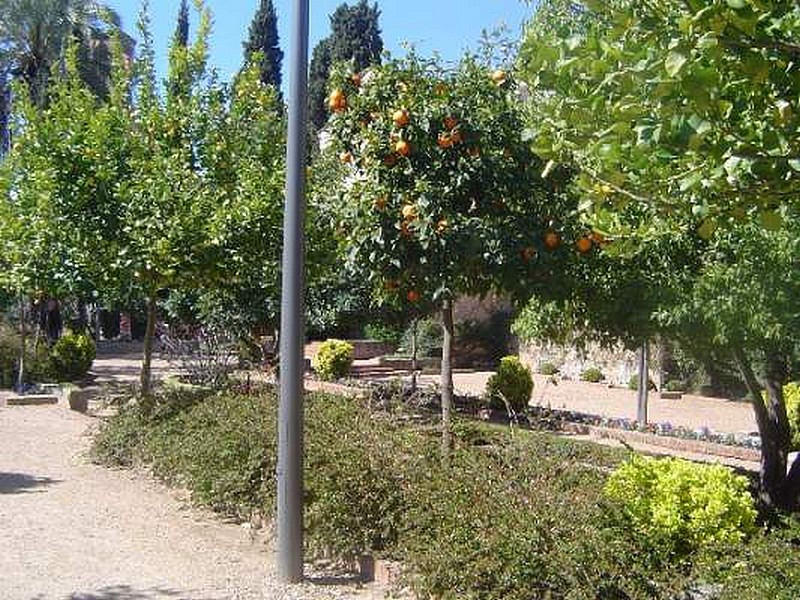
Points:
292	363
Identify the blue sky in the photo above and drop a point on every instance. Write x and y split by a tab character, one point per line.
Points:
445	26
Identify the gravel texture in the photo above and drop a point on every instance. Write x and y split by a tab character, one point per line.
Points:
75	531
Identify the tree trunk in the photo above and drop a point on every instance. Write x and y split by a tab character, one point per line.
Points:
22	345
644	383
447	375
414	351
779	489
149	336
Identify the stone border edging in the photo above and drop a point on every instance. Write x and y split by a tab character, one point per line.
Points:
650	439
673	443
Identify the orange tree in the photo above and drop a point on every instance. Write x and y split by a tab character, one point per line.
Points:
442	195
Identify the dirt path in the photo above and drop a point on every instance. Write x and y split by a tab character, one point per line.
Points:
75	531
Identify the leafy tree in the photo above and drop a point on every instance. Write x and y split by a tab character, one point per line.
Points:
146	194
355	36
686	107
263	38
181	35
678	118
443	196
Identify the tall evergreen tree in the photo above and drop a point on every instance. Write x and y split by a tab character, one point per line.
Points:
263	37
182	27
355	35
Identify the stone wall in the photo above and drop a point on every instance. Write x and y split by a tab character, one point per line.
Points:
617	364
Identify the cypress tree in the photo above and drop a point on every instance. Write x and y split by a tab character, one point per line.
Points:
355	35
181	36
263	37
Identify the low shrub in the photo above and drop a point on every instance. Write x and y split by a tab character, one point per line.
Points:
511	386
633	383
675	385
548	368
678	507
38	366
383	333
71	357
592	375
333	360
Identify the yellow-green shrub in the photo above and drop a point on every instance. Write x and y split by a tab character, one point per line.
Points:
333	360
513	383
791	395
679	506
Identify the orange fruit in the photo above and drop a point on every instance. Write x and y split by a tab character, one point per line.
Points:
552	240
409	212
499	77
442	226
405	230
403	148
450	122
346	157
400	117
456	137
337	101
597	238
584	245
528	253
413	296
445	140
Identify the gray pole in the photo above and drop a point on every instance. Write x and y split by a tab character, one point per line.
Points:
644	382
290	413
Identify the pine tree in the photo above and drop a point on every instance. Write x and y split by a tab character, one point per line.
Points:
181	36
355	35
263	37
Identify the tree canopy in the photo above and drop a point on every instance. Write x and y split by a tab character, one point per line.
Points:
263	38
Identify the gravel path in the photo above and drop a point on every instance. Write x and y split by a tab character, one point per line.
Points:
75	531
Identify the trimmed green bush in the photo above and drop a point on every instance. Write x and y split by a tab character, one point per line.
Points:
512	384
791	395
592	375
679	507
633	383
333	360
548	368
71	357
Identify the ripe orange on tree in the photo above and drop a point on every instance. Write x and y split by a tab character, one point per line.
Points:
445	140
528	253
499	77
337	101
413	296
403	148
346	158
400	117
584	245
552	240
409	212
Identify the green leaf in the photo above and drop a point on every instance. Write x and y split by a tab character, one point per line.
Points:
736	4
675	62
771	220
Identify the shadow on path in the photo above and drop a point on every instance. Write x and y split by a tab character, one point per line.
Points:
22	483
126	592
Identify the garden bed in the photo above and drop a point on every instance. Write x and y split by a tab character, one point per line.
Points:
511	515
